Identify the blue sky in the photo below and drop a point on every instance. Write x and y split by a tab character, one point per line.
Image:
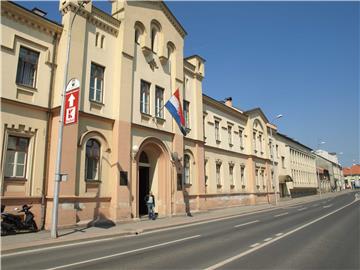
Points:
299	59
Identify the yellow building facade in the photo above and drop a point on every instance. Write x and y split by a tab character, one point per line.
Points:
125	143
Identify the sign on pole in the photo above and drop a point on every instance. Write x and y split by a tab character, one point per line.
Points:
72	102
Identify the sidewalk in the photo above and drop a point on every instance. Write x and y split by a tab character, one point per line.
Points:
42	238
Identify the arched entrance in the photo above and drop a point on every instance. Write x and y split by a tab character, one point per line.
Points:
154	169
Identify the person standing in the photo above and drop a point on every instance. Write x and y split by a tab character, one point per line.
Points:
150	203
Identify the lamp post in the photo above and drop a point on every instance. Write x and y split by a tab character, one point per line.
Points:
272	160
58	174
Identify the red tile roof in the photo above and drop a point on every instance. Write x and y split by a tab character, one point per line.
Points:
353	170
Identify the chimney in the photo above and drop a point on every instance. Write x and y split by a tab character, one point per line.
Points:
39	12
228	101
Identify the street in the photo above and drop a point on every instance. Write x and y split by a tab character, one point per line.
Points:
321	234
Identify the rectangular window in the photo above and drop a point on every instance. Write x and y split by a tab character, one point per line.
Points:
230	135
242	175
257	177
187	113
283	162
254	142
260	143
96	83
27	67
16	157
241	138
159	102
217	131
277	151
144	97
218	174
231	174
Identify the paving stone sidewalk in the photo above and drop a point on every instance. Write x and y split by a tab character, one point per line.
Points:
42	238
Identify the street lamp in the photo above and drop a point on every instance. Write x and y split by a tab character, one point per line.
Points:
272	159
58	174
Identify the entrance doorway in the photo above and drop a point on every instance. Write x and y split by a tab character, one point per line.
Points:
144	183
144	188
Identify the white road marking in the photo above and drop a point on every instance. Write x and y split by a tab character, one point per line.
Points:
125	252
255	245
327	206
302	208
278	234
251	222
267	239
282	214
242	254
61	246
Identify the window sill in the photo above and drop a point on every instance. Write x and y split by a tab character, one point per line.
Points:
187	184
14	179
96	103
145	116
25	87
160	119
92	181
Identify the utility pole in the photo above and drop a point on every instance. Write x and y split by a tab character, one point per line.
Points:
58	174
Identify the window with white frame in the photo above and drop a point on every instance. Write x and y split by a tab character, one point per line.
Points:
159	102
218	174
230	135
242	175
217	131
241	138
27	67
92	160
254	142
231	174
187	169
260	143
145	97
96	83
187	113
16	157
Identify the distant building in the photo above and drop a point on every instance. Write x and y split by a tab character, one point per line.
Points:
330	170
351	175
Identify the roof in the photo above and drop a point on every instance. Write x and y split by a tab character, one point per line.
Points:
223	106
194	56
258	110
293	140
28	10
353	170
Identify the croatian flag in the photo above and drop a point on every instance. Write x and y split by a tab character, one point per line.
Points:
174	107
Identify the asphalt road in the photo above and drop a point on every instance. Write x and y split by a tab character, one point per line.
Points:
322	234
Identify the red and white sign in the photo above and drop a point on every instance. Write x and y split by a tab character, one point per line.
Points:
71	102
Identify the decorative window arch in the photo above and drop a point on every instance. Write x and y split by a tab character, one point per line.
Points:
154	33
139	32
92	160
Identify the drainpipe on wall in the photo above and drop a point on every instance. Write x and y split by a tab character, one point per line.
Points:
48	134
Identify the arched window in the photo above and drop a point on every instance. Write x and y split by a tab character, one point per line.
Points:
92	161
154	38
143	158
137	35
154	34
97	39
187	169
